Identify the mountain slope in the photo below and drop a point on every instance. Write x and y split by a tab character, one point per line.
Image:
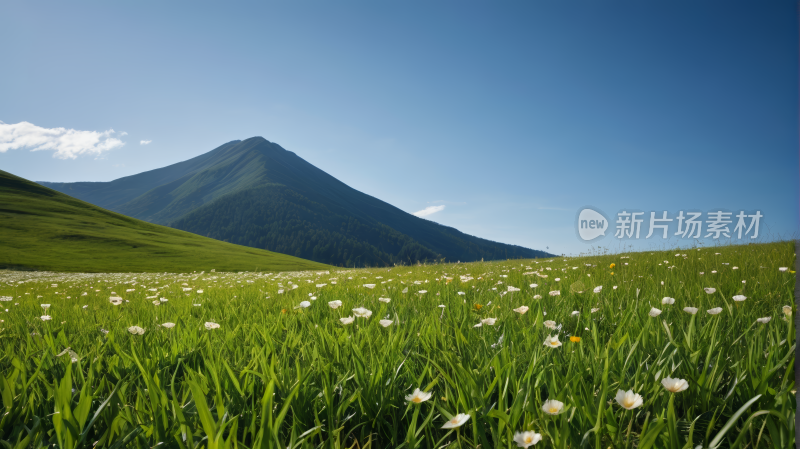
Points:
276	217
216	195
47	230
113	194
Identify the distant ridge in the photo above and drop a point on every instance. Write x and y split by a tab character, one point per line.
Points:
46	230
255	193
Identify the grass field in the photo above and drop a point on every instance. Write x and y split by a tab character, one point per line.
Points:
256	360
41	229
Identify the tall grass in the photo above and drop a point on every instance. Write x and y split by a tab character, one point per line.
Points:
276	375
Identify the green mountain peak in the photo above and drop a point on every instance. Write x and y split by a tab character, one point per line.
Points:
256	193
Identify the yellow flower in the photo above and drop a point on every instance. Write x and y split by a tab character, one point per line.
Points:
612	266
612	273
575	339
478	307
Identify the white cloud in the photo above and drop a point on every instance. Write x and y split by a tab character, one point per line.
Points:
428	211
67	143
123	133
144	142
451	203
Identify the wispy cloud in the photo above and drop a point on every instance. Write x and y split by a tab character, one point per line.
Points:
144	142
67	143
553	208
451	203
428	211
123	133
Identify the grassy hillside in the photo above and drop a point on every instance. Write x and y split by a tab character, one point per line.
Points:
256	193
46	230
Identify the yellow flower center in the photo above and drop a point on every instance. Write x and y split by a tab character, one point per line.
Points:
553	410
417	399
627	402
528	439
554	343
454	421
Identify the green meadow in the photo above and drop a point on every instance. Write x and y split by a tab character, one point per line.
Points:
671	349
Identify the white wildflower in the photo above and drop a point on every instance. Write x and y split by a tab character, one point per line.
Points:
456	421
553	406
526	439
521	310
362	312
552	341
418	396
674	385
628	399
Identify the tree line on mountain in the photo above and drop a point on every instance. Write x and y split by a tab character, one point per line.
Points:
278	219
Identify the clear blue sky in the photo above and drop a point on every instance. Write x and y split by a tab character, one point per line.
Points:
512	114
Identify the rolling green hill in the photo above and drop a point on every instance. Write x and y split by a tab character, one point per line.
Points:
46	230
256	193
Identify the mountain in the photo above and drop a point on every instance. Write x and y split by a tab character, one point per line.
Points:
256	193
47	230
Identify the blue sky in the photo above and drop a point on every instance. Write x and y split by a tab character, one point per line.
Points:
513	115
